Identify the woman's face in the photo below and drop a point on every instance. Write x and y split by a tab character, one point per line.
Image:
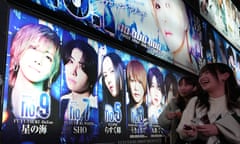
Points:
76	78
155	92
208	82
109	76
137	90
37	62
185	89
172	21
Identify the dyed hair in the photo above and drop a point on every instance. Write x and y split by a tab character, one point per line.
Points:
136	71
159	76
20	44
232	90
89	59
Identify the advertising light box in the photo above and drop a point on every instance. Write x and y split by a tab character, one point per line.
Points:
63	87
224	16
149	25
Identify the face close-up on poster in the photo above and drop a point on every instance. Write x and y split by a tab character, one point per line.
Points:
147	25
112	93
30	112
66	83
78	104
137	114
49	94
62	87
224	16
156	99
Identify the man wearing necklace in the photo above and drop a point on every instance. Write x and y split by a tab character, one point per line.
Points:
79	105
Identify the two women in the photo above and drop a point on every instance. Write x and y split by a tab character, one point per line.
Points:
213	116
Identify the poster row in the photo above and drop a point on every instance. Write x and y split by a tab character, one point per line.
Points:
169	30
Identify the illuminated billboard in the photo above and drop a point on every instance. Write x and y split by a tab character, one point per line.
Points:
142	23
61	86
153	30
224	16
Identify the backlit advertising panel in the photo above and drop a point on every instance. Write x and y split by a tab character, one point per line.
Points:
153	30
168	36
224	16
45	100
63	87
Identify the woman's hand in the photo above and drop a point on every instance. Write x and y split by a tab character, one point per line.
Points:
208	129
178	114
190	130
171	115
